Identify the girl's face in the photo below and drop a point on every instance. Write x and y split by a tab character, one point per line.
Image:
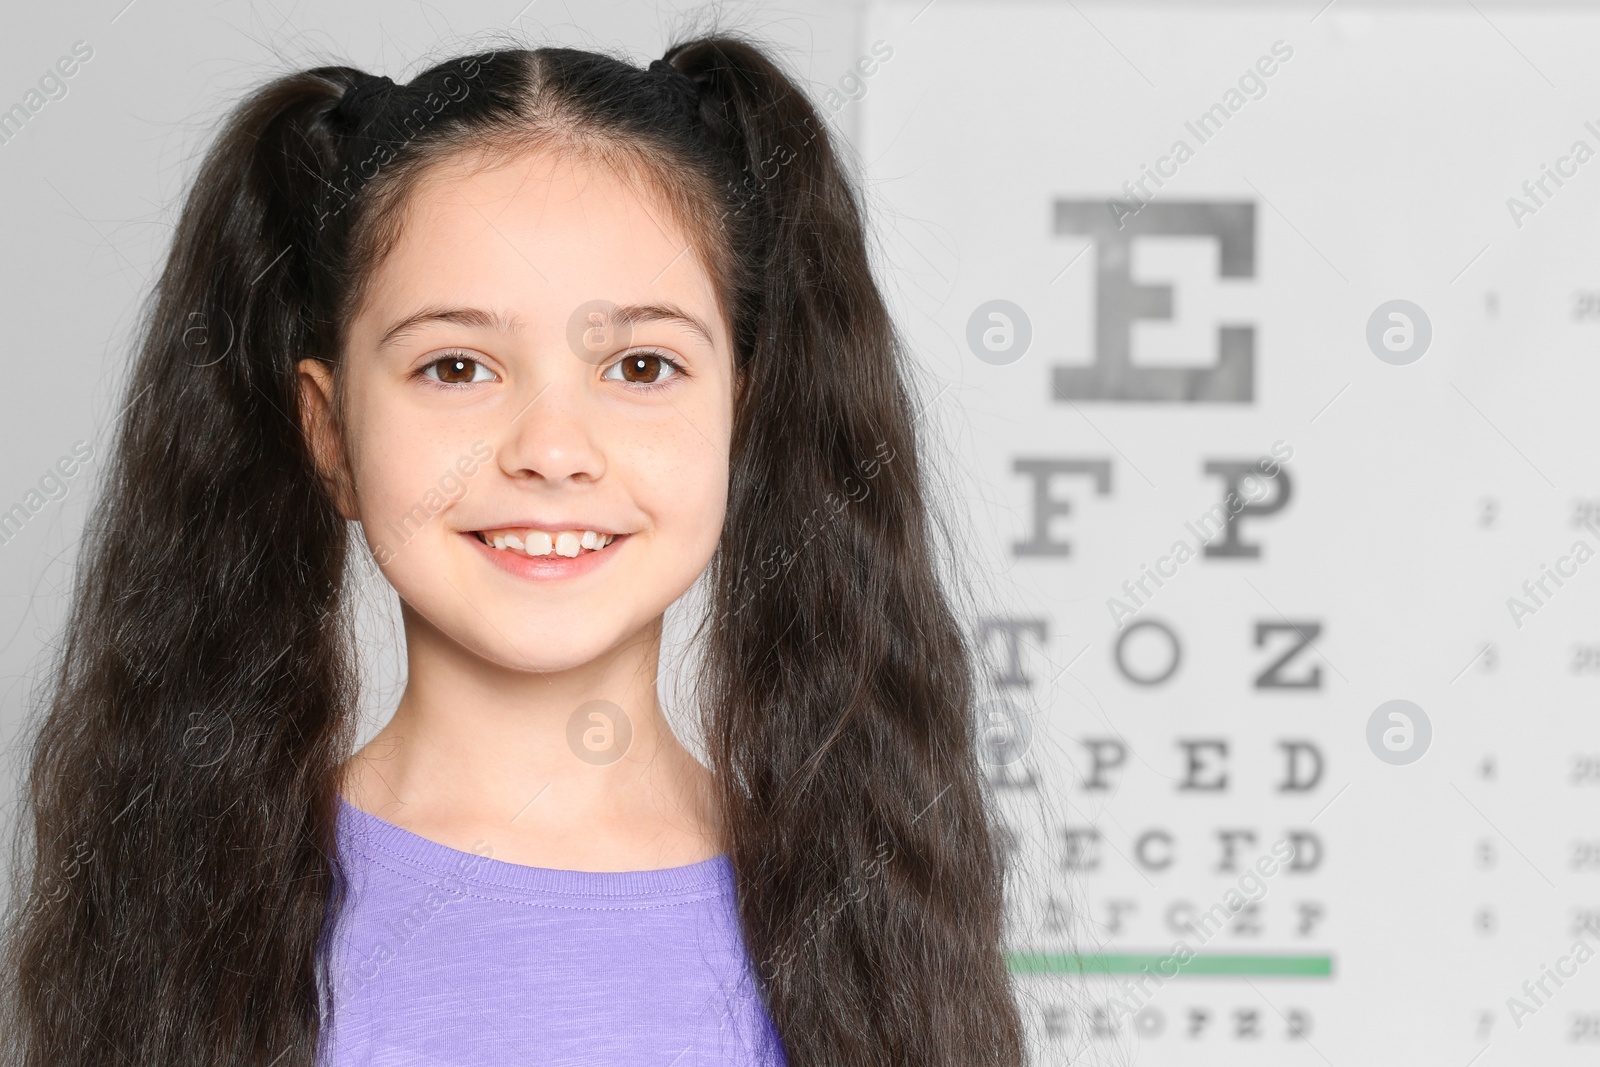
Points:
540	355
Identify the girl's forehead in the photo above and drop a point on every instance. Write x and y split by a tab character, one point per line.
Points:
540	193
543	227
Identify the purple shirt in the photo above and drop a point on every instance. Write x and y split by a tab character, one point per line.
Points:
443	957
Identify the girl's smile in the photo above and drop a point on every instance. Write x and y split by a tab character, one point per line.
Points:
578	560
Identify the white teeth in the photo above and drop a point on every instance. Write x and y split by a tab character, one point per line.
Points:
540	543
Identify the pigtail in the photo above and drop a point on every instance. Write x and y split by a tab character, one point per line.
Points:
837	681
181	785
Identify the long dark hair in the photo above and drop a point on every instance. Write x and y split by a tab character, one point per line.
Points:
183	782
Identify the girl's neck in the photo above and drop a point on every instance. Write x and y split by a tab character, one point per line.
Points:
573	769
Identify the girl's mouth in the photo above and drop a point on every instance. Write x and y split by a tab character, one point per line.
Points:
536	543
567	555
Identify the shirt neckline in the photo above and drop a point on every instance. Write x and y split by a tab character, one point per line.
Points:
433	860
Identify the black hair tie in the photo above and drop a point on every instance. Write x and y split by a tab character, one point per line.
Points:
363	98
681	90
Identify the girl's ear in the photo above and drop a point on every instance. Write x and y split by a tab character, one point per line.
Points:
322	433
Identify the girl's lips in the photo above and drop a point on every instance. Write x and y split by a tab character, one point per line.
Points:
547	568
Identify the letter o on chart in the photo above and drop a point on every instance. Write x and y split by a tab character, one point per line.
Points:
1175	654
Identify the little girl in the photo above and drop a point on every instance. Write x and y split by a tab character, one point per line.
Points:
556	335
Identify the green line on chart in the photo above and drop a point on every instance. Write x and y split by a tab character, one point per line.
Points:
1215	964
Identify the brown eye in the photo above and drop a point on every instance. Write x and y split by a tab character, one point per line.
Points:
458	370
646	368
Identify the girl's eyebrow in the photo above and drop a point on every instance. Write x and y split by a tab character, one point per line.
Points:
626	315
486	320
634	314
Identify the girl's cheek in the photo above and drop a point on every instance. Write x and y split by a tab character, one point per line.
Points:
407	476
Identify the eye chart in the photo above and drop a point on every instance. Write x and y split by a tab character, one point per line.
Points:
1266	340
